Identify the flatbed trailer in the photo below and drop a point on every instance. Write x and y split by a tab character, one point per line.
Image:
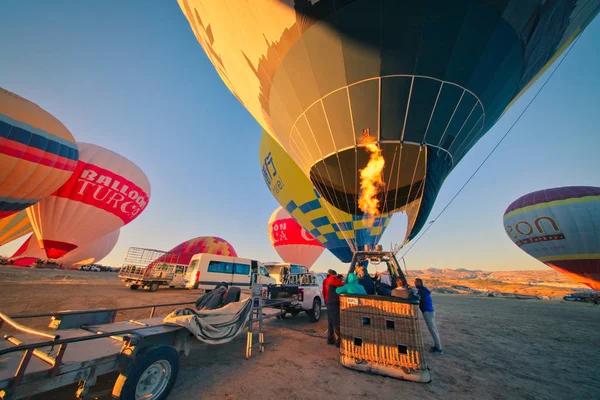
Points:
88	343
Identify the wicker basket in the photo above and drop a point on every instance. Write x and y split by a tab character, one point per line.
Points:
382	335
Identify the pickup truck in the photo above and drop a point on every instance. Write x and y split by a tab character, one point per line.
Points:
151	278
301	292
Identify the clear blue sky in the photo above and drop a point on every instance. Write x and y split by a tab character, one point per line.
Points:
130	76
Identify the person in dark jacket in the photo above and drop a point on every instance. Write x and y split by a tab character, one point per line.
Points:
364	278
426	307
333	307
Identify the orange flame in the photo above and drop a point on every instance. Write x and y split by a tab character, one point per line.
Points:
371	180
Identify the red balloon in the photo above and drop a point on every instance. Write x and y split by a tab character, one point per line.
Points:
183	253
292	242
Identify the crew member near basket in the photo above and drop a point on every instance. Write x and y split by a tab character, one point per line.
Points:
426	306
333	306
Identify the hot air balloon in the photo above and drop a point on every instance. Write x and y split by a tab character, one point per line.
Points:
106	192
14	226
561	228
292	242
92	252
87	253
341	233
37	153
417	83
183	253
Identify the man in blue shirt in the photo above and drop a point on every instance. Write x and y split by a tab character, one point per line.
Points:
426	306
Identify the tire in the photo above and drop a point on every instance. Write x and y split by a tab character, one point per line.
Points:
314	314
153	287
134	287
153	372
172	287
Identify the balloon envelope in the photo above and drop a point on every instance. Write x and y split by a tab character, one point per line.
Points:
106	192
561	228
425	79
292	242
13	227
341	233
87	253
37	153
183	253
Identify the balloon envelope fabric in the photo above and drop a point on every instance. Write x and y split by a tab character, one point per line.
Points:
341	233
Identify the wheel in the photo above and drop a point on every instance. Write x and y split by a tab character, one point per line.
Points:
134	287
295	313
281	316
172	287
153	287
315	313
151	376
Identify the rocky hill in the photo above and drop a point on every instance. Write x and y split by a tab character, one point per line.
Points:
528	283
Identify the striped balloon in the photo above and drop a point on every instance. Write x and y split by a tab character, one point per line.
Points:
37	153
13	227
561	228
106	191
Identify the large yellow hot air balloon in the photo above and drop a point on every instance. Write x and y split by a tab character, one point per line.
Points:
13	227
37	153
337	82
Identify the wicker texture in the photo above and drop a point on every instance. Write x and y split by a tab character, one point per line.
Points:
382	331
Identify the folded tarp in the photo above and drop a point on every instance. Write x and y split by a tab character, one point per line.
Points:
216	326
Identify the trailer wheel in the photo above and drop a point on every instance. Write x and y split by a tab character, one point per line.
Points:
151	377
153	287
134	287
314	314
295	312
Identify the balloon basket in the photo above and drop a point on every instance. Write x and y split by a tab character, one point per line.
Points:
382	335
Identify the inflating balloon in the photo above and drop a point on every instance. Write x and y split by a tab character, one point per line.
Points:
106	192
183	253
292	242
13	227
422	81
37	153
87	253
341	233
561	228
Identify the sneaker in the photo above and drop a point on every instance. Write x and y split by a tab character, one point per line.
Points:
330	342
435	350
337	344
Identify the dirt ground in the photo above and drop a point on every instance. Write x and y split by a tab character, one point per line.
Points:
495	348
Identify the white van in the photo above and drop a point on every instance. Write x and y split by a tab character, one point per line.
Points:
207	270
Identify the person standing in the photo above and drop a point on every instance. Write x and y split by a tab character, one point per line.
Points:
333	307
426	307
364	278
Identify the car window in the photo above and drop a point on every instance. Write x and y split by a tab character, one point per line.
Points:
220	267
193	264
179	269
263	271
242	269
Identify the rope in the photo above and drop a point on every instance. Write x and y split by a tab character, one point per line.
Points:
494	149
